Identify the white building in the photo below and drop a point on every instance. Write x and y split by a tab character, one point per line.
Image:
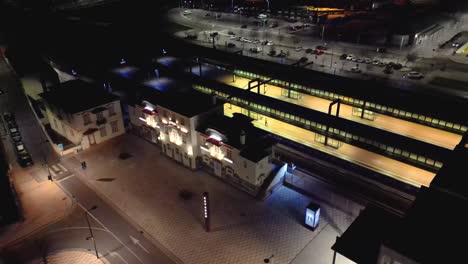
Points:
236	151
170	120
83	114
191	129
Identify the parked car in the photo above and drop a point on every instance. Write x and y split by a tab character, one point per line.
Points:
273	25
231	33
415	75
20	147
256	50
343	56
244	26
15	134
309	50
282	54
375	62
355	70
272	53
25	160
231	45
360	60
349	57
187	12
11	123
298	48
388	70
381	50
367	61
303	59
7	116
321	47
397	66
319	52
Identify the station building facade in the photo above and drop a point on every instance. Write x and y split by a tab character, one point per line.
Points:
191	129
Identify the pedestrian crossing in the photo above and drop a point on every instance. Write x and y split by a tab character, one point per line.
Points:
59	172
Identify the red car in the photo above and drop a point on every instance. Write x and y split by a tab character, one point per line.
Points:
319	52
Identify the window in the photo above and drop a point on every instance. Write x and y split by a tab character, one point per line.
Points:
100	116
86	119
103	131
111	110
114	126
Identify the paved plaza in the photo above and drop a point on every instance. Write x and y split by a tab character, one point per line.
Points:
146	186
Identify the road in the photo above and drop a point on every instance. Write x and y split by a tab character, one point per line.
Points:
119	240
287	41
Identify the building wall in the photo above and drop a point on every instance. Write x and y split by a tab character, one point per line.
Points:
176	136
73	126
63	128
242	172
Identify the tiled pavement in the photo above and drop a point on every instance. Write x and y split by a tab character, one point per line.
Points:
244	230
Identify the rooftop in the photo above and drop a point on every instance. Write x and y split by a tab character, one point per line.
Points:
187	103
256	143
432	229
361	241
77	96
451	177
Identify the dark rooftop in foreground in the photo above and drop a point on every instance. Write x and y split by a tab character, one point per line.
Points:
76	96
361	241
433	230
257	144
451	178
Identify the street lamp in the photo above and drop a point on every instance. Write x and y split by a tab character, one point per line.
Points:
91	230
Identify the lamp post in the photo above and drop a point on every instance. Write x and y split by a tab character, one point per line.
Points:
91	230
44	157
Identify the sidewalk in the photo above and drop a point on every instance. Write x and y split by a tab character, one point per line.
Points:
72	257
146	187
42	202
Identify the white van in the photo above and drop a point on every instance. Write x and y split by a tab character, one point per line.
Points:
187	12
262	16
